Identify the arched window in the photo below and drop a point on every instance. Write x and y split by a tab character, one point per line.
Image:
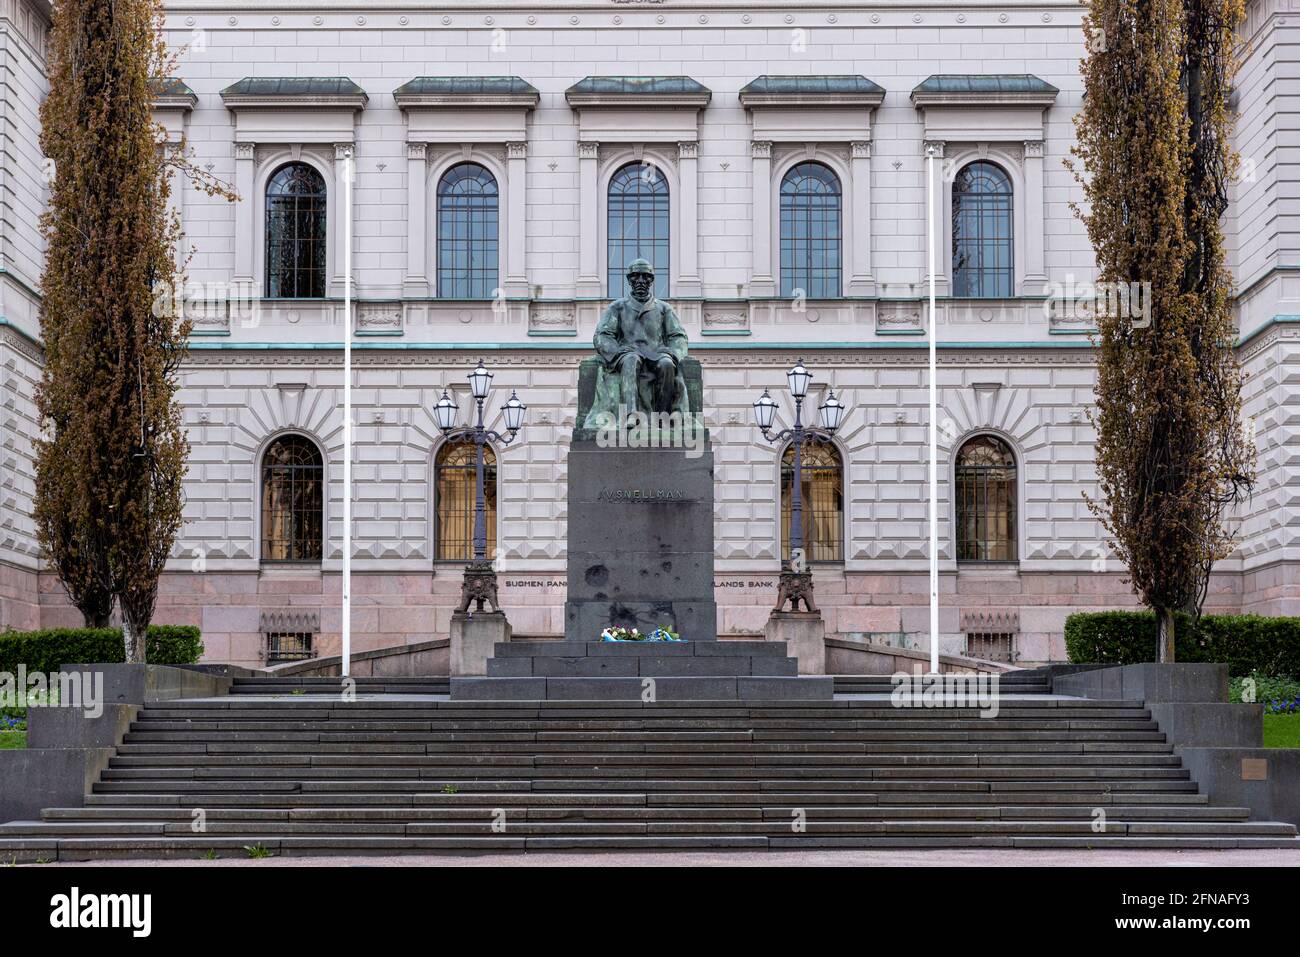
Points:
638	225
454	491
981	232
295	233
293	479
468	203
822	494
811	232
986	501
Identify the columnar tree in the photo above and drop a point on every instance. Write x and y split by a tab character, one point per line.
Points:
108	499
1153	138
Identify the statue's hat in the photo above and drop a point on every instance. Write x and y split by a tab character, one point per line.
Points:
639	266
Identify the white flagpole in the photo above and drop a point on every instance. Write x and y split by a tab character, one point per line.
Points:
347	413
934	434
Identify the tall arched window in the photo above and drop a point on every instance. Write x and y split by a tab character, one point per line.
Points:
454	490
468	203
638	225
981	232
811	232
822	493
295	233
293	479
986	501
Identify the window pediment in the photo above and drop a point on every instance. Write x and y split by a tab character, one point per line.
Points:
811	109
667	108
466	109
294	109
984	108
172	102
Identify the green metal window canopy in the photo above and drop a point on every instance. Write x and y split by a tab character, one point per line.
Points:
984	89
657	90
825	90
472	91
295	91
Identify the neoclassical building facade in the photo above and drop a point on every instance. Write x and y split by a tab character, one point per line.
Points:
507	161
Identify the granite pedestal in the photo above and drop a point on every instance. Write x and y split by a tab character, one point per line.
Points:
472	639
640	546
804	633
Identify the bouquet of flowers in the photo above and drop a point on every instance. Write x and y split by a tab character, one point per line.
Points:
619	633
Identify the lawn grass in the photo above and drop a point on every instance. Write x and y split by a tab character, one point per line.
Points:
12	739
1282	730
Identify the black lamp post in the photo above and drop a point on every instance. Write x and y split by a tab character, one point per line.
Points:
796	579
480	583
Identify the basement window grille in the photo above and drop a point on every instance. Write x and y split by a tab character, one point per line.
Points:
991	645
288	646
289	635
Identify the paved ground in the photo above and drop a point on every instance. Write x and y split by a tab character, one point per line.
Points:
1011	697
935	858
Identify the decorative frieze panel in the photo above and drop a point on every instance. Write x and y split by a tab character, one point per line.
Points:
899	318
725	320
379	318
208	317
552	319
1069	318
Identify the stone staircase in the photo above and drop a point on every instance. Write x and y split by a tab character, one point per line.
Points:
435	685
310	774
1023	682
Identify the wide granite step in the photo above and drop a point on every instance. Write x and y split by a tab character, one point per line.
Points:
647	688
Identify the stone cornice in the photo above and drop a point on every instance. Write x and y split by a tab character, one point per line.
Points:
616	6
453	357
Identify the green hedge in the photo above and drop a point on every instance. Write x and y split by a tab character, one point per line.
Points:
1246	643
50	649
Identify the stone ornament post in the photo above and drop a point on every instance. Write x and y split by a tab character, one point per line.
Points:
475	631
803	631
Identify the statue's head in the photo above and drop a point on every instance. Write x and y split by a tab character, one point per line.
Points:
641	277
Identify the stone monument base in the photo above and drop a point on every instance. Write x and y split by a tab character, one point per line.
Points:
473	637
641	671
804	633
640	545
